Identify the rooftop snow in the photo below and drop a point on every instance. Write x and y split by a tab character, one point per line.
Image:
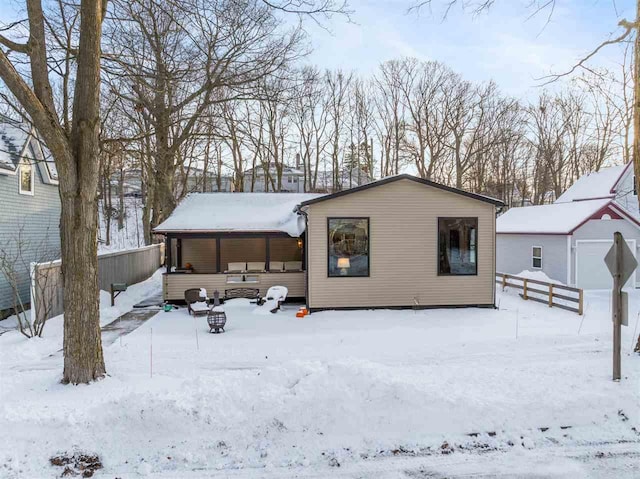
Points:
12	140
557	218
598	184
237	212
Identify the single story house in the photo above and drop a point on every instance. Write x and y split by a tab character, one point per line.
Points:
29	210
569	238
399	242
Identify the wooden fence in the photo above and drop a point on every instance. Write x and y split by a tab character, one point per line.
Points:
548	295
130	267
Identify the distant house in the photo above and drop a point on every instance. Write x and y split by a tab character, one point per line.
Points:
255	180
569	238
29	206
402	242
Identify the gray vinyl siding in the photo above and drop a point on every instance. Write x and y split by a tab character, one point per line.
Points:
514	254
35	221
603	230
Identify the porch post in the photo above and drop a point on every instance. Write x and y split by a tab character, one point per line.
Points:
267	253
218	268
168	252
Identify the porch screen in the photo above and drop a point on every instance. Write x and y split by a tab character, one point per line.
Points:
348	247
457	246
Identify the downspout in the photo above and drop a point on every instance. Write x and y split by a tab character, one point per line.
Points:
306	255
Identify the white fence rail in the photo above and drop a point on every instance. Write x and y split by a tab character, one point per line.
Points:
130	266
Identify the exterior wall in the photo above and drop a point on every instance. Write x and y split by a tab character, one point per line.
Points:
201	253
174	285
603	230
403	221
35	219
514	254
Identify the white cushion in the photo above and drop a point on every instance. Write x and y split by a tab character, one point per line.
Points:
293	265
276	265
199	306
255	266
237	267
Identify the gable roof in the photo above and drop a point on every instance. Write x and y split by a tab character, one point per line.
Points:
18	142
391	179
555	218
598	184
242	212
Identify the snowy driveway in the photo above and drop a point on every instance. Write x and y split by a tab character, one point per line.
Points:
384	393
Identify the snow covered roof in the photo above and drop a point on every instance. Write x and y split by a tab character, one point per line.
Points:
556	218
598	184
208	212
12	140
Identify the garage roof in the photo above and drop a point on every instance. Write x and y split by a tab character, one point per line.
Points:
556	218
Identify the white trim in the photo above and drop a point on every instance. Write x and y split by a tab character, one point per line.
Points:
30	192
632	246
569	283
534	257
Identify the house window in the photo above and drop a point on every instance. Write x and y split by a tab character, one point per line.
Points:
25	186
348	242
458	246
289	179
536	257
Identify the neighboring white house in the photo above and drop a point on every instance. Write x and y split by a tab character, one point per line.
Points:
292	180
568	239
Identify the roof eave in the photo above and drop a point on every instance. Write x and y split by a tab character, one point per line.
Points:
391	179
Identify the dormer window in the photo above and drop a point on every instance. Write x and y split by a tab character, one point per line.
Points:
25	185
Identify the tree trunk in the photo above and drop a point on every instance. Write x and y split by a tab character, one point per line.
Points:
83	359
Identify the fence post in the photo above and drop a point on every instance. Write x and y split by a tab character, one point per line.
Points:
504	281
580	301
524	289
550	295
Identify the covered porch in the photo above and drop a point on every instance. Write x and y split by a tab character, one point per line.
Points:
223	260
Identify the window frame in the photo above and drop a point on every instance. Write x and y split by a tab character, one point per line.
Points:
444	218
368	218
534	257
31	191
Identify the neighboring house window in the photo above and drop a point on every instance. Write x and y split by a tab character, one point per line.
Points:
26	179
348	243
635	188
289	179
536	255
458	246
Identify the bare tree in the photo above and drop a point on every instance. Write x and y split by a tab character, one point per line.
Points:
74	145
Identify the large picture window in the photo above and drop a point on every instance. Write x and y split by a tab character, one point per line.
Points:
457	246
348	247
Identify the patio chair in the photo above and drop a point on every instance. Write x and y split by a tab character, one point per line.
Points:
196	303
276	295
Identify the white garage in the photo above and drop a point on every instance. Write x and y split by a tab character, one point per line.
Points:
591	272
566	241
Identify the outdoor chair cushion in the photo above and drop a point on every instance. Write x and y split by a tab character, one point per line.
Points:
293	265
255	266
236	267
199	307
276	266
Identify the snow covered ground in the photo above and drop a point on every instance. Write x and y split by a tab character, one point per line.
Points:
132	233
390	394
